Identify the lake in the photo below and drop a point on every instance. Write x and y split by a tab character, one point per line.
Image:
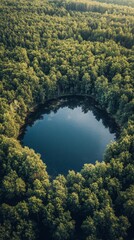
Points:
68	133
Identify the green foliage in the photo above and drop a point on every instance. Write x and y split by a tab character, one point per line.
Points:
49	50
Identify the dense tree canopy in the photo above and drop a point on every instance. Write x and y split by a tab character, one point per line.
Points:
53	49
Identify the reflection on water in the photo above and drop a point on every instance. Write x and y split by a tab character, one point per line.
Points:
68	133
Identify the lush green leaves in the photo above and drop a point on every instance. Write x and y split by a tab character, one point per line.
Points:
49	50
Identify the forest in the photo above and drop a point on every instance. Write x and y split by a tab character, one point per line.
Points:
49	49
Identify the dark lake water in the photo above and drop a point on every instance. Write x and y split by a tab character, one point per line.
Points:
69	133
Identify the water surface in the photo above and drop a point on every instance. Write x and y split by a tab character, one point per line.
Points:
69	133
